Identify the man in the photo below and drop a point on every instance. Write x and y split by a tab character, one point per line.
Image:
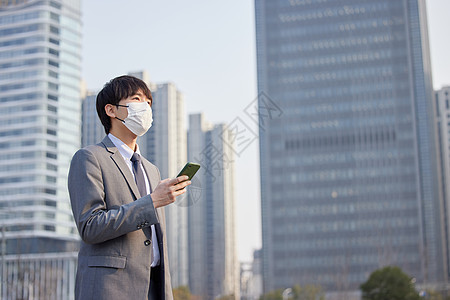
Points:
117	201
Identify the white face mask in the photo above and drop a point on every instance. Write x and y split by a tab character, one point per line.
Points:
140	117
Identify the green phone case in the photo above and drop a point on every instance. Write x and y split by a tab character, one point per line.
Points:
189	169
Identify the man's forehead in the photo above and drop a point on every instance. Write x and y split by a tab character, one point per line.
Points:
139	93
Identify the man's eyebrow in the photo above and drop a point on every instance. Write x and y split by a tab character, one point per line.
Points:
138	94
141	94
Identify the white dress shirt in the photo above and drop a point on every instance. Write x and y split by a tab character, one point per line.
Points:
127	153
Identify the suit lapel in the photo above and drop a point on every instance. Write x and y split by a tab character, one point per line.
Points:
152	179
120	163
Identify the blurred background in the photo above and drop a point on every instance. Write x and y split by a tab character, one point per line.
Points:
321	127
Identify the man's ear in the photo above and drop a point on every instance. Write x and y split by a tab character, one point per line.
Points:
110	110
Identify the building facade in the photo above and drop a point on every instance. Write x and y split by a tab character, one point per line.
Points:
349	165
251	278
442	98
213	264
40	43
92	130
166	147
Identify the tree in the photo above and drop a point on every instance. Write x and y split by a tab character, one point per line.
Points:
389	283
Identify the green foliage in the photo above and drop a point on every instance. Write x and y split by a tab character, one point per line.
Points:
389	283
181	293
273	295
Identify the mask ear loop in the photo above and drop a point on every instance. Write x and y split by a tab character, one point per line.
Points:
123	121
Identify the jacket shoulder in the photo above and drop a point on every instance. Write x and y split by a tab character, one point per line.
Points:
97	151
100	147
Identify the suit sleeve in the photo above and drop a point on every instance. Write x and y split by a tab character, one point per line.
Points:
96	223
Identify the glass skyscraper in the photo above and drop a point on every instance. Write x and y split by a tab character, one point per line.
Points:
349	168
92	130
213	265
442	98
166	147
40	43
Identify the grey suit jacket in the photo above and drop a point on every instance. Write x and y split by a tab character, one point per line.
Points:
114	225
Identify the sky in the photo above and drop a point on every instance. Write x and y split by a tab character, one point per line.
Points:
207	49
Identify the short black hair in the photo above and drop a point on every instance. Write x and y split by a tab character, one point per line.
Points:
115	90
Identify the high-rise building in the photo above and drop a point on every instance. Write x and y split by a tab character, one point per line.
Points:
92	130
251	278
349	165
40	43
213	265
442	97
166	147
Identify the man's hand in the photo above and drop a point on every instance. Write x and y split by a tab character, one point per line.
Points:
168	189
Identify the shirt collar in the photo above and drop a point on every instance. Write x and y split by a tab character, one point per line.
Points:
124	150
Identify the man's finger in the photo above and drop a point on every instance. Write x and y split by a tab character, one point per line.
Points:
179	179
183	178
183	184
179	192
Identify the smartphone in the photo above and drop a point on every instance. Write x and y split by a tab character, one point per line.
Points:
189	169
